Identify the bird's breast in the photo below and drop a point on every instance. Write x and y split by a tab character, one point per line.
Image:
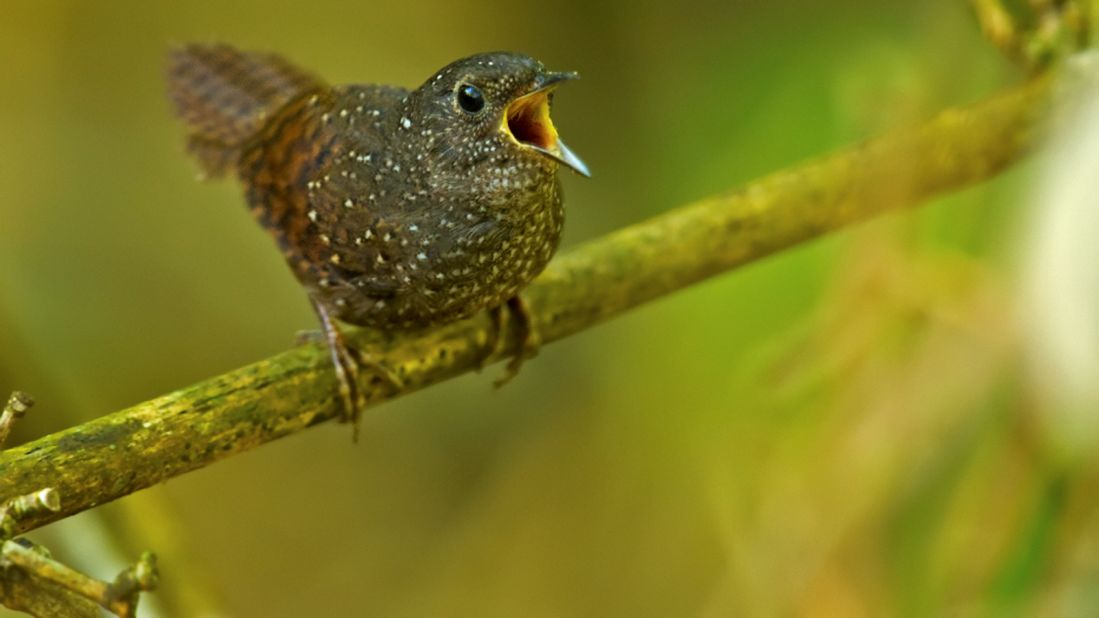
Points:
452	260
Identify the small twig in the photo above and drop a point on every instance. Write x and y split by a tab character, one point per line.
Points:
1055	27
998	27
38	572
119	597
142	576
17	406
43	566
22	591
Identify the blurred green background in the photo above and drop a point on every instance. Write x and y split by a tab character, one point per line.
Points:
846	429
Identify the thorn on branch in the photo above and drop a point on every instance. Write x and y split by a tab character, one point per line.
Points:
17	406
23	507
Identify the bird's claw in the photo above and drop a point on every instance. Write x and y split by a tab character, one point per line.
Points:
349	364
529	339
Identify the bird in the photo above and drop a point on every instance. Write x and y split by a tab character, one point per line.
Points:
396	209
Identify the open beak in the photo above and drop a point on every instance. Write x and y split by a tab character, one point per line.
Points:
527	121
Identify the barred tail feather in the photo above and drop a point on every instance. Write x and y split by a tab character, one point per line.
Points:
225	95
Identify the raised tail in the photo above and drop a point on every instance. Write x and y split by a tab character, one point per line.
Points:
226	95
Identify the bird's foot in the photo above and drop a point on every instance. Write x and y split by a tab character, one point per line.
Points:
492	342
349	364
529	339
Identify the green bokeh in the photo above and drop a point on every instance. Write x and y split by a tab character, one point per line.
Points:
808	435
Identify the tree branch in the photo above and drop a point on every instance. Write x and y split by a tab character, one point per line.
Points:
32	581
135	448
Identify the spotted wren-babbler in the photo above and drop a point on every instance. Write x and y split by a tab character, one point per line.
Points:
396	209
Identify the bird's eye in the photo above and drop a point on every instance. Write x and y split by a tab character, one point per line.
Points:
470	98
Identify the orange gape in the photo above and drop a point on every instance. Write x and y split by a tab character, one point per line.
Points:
396	209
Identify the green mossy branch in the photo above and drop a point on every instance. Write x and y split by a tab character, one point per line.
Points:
129	450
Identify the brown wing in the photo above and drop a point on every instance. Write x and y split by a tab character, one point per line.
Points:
310	175
355	194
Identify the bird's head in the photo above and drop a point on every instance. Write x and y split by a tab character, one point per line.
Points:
492	110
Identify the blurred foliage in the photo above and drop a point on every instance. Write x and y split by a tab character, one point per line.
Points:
845	429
